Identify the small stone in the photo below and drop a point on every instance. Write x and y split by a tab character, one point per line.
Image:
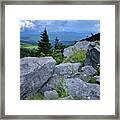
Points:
51	95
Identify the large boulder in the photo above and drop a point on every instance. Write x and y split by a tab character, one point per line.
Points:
67	68
86	73
81	45
88	70
84	45
68	51
79	89
34	73
93	56
83	76
53	81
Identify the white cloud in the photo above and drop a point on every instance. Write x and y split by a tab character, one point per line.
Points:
26	24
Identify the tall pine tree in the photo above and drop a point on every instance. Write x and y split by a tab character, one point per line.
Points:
56	43
43	44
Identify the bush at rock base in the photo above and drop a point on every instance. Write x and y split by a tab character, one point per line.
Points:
92	80
78	56
58	56
37	96
61	88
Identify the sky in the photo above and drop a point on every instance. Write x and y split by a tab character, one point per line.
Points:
78	26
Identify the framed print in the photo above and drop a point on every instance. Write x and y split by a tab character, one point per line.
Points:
60	59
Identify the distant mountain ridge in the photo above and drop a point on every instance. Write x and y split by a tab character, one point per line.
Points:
65	38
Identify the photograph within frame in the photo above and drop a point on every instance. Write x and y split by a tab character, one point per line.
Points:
107	116
60	60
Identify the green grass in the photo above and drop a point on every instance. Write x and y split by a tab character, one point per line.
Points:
78	56
92	80
37	96
61	89
28	46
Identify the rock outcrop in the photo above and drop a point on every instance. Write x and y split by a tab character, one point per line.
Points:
44	76
67	68
34	72
61	71
93	56
79	89
88	70
84	45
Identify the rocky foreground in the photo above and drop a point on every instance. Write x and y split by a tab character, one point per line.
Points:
42	75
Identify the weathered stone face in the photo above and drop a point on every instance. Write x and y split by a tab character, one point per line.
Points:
93	57
61	71
79	89
82	45
88	70
83	76
67	68
34	72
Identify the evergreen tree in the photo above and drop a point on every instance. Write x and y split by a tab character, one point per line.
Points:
44	46
58	51
58	45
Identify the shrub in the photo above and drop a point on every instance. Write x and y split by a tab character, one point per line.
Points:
26	52
92	80
78	56
58	56
37	96
61	88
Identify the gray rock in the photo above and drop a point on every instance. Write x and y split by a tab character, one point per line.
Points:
34	73
51	95
61	71
83	76
68	51
79	89
88	70
93	91
93	56
53	81
67	69
84	45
